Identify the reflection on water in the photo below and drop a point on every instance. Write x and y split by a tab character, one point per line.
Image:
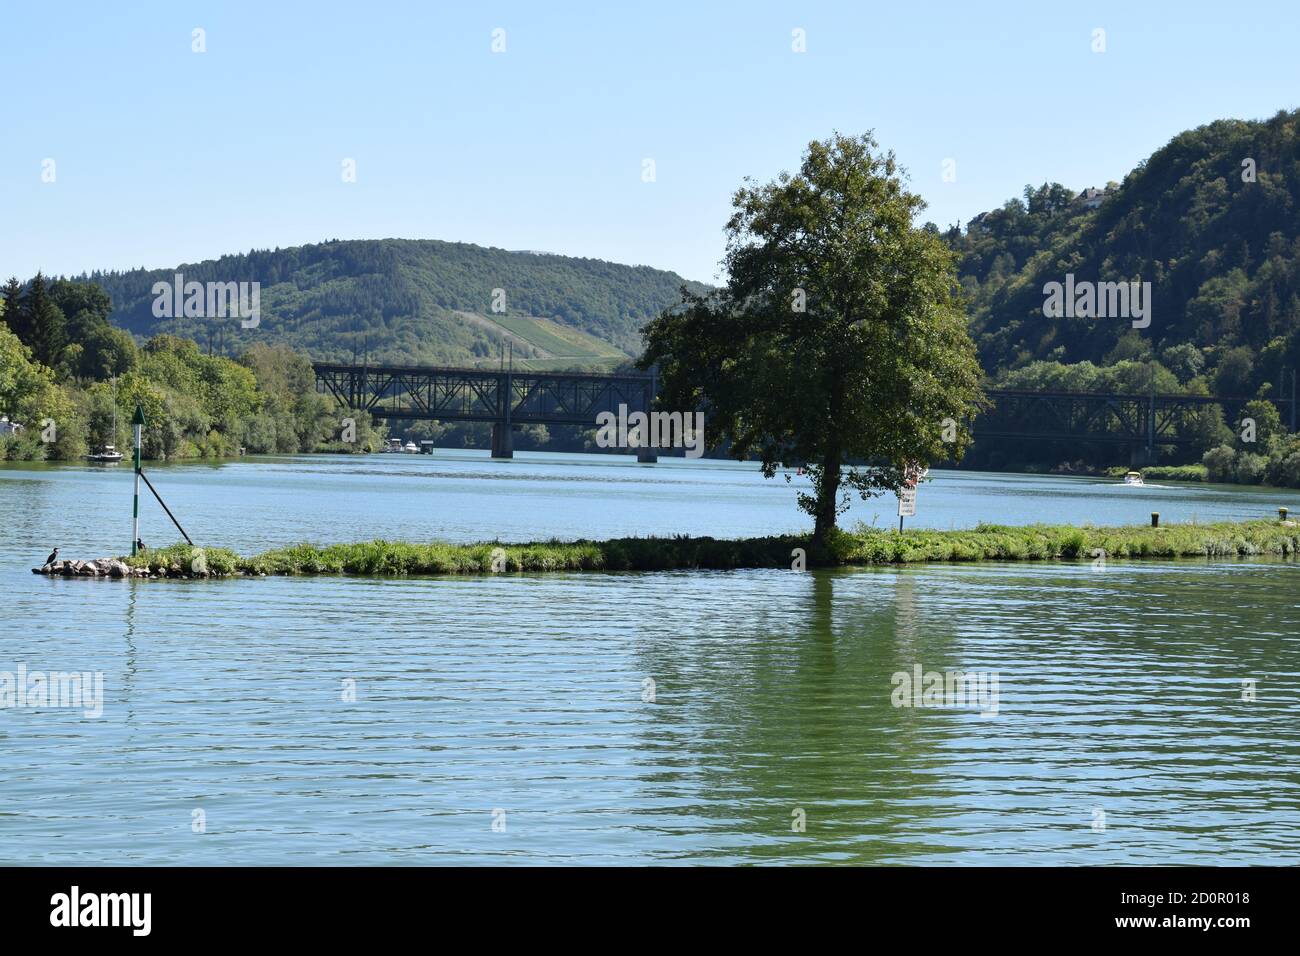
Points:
1120	690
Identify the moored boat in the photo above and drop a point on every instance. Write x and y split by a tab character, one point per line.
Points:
106	455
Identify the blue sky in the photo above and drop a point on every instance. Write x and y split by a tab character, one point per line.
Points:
163	155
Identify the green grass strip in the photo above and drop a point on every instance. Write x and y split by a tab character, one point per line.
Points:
861	547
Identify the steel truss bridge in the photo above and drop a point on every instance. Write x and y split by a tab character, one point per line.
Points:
508	398
1143	422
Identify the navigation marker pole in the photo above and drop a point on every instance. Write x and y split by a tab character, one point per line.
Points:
137	420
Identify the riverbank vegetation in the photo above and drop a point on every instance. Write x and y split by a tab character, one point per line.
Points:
64	369
863	546
1189	473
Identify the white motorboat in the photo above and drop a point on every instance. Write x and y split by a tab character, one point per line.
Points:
1133	478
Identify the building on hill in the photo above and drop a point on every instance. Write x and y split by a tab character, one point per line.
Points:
1092	197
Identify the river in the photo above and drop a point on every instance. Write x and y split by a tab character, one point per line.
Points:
1143	712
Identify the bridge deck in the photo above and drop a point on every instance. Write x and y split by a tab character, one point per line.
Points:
508	397
489	395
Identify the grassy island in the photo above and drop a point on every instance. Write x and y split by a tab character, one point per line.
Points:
862	547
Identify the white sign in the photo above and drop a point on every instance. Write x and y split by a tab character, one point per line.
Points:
907	502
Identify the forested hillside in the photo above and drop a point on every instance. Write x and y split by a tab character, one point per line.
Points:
1212	220
396	300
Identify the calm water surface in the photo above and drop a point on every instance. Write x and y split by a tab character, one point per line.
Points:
1120	690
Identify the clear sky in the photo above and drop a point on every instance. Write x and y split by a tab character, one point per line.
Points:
163	155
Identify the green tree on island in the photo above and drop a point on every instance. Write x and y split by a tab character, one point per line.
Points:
839	336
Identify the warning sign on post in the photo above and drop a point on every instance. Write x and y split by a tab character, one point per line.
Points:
907	502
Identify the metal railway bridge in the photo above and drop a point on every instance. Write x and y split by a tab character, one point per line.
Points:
509	398
1142	422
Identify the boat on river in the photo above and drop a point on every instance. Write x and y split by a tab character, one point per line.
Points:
1134	478
107	455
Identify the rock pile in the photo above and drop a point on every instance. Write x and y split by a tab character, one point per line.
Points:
99	568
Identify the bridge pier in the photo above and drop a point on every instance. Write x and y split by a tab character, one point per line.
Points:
503	441
1141	457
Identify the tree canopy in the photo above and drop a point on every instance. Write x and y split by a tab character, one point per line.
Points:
838	342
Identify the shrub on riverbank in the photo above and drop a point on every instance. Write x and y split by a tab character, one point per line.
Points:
187	560
864	546
1166	472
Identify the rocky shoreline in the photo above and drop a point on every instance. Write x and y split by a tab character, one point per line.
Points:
99	568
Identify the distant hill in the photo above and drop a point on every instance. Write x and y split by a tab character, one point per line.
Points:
417	302
1222	253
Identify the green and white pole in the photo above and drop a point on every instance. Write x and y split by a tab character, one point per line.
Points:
137	421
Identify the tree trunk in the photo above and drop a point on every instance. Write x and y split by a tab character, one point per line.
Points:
827	493
828	489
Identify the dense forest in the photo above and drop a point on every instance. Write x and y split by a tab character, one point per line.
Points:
1212	221
396	300
67	377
